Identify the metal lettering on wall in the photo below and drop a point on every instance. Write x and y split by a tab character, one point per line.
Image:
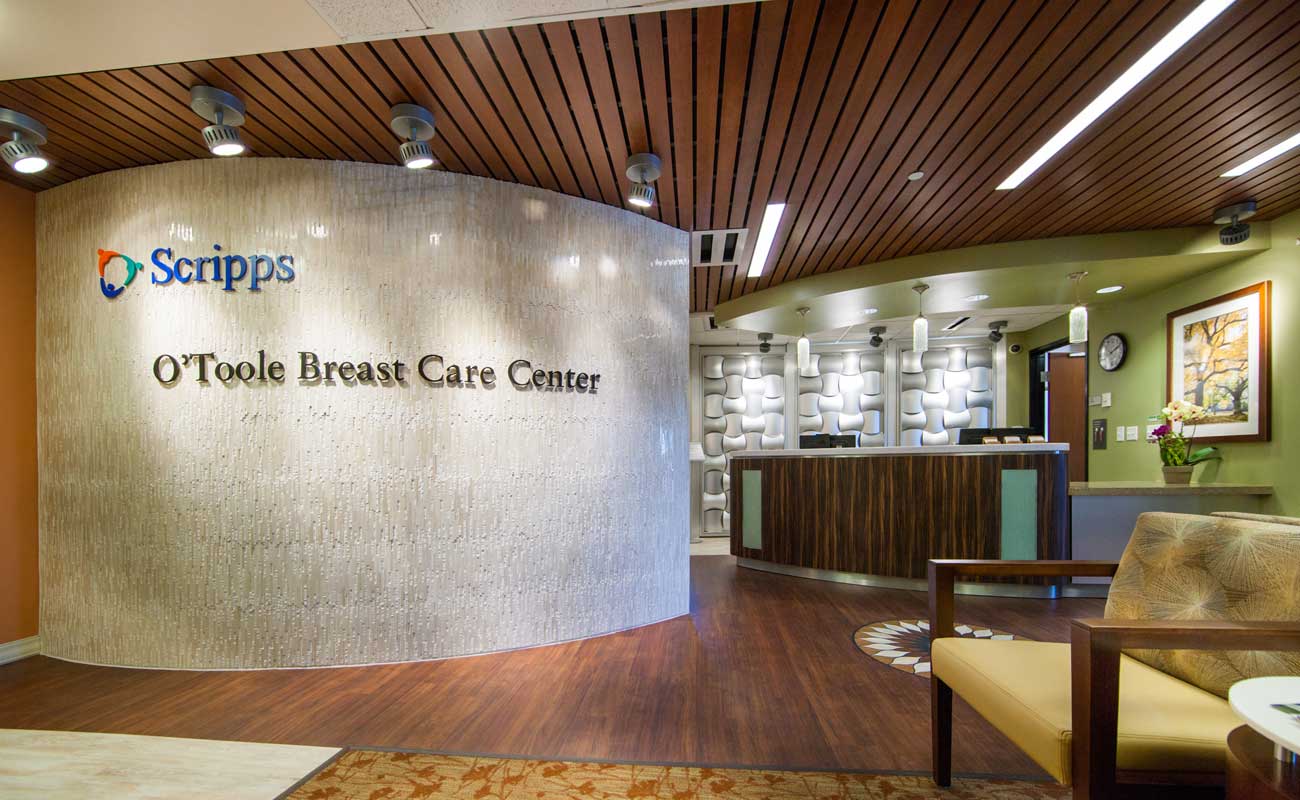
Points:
432	369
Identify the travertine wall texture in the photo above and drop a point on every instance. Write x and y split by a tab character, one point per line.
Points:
264	524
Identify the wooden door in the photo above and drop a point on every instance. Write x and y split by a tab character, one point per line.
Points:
1067	409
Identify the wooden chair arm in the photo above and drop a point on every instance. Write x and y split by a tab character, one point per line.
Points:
1095	646
943	573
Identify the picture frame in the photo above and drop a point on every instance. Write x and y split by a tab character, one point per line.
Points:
1219	355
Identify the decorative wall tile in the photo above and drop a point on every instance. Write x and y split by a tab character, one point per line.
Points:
843	393
744	409
226	526
943	391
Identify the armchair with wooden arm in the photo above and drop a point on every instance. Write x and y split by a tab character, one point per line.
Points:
1094	660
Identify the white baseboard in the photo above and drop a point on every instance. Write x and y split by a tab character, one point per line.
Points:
22	648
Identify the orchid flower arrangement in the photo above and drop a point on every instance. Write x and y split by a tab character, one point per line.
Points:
1174	438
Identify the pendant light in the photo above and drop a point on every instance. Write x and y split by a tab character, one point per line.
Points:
802	345
1078	314
920	325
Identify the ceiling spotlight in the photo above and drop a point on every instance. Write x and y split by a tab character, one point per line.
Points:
975	298
915	176
765	343
870	311
642	169
1235	230
415	125
995	330
1110	289
226	113
25	136
877	336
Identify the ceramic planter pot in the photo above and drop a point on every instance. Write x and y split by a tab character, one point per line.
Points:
1178	474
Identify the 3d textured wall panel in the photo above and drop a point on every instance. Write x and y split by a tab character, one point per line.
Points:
263	524
744	409
942	391
843	393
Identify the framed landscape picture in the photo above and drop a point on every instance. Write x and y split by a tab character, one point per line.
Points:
1218	354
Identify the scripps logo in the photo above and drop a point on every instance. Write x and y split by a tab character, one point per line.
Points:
228	271
106	286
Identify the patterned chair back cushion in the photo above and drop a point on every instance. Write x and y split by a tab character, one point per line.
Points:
1187	567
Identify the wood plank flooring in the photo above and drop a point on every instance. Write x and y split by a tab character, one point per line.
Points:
764	672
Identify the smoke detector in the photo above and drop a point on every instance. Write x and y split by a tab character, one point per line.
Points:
1233	217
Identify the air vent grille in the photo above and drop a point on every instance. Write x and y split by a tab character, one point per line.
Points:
717	248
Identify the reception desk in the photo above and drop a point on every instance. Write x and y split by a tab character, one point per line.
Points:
876	515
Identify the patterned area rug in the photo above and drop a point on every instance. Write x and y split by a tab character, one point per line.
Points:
905	643
372	775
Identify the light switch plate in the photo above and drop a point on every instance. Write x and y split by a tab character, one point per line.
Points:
1132	433
1105	399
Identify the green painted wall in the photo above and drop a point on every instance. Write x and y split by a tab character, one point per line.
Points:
1018	366
1138	388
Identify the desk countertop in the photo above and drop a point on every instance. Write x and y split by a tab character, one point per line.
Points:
1159	489
936	450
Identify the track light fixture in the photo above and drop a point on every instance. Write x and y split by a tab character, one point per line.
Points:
415	125
25	136
995	330
643	169
226	113
765	343
877	336
1233	218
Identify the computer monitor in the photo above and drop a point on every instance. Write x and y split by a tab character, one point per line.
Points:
976	435
844	440
814	441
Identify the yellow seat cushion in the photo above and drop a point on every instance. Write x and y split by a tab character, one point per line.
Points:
1023	689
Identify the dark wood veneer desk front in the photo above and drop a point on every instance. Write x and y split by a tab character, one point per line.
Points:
876	515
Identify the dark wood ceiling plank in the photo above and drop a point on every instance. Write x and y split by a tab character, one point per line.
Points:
175	81
1034	53
574	80
318	85
1224	67
730	102
900	38
300	110
129	135
1084	67
708	77
680	71
443	88
600	81
621	42
592	171
1267	183
754	106
382	76
114	104
534	172
650	48
532	135
939	32
970	60
87	150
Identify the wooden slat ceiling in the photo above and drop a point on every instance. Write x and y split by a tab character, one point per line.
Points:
824	105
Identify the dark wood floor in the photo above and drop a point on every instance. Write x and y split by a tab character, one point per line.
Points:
763	672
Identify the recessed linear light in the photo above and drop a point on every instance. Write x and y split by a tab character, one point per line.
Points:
975	298
1264	157
766	235
1182	33
1110	289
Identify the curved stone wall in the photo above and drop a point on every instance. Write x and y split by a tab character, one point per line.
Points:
255	522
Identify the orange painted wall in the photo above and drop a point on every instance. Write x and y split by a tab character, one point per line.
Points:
18	522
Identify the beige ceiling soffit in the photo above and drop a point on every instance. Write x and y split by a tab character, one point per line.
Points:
1015	274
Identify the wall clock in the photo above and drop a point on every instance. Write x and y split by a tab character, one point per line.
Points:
1113	350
